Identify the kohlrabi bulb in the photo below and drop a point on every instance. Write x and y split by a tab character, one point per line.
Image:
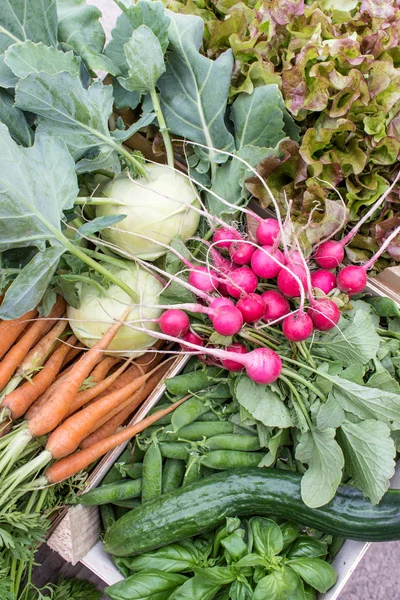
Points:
97	310
158	207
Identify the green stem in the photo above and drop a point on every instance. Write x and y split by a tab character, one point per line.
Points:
14	451
97	201
300	379
127	155
23	473
307	354
163	128
298	399
100	269
259	339
118	262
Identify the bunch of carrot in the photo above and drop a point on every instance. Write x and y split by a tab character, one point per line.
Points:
78	398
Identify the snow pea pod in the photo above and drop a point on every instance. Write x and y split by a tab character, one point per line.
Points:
173	473
223	460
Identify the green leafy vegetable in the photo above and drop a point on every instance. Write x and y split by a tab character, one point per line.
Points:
262	403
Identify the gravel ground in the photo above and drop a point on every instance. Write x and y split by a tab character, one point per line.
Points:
378	575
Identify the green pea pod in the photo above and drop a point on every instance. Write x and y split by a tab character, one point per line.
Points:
223	460
121	511
193	382
197	431
152	472
112	492
210	416
112	476
173	473
178	450
245	443
193	471
132	503
166	420
188	412
107	515
135	472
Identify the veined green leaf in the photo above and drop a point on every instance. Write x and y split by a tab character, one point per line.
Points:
79	28
28	57
15	119
369	452
194	89
325	460
315	572
258	118
262	403
279	585
23	20
145	68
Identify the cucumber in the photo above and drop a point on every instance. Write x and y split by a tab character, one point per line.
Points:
205	504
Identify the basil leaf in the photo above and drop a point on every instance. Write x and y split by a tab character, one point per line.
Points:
79	27
369	452
279	585
173	558
25	20
219	575
267	536
316	572
194	89
241	590
308	547
196	588
234	546
290	531
325	460
252	560
147	585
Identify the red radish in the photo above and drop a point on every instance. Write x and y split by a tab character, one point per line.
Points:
203	279
288	285
221	263
223	288
263	365
323	280
174	322
223	237
218	302
227	320
297	327
242	281
252	307
352	279
191	338
267	262
233	365
329	255
241	252
268	232
324	314
276	305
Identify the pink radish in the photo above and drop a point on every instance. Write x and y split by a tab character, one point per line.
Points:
222	264
174	322
263	263
252	307
288	285
218	302
223	237
227	320
241	252
191	338
233	365
297	327
329	255
276	305
203	279
242	281
323	280
268	231
325	314
352	279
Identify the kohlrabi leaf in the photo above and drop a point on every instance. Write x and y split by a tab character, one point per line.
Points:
67	110
194	89
262	403
15	119
151	14
36	185
229	180
31	283
28	57
366	402
325	460
79	28
123	98
145	68
369	452
21	21
258	118
144	120
98	224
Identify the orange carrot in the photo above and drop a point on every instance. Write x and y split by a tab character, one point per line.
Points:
111	425
10	330
70	465
73	353
41	401
21	399
66	438
56	408
40	327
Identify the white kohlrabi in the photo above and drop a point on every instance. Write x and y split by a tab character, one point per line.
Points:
158	207
96	311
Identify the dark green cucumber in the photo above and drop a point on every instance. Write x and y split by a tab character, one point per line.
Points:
205	504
